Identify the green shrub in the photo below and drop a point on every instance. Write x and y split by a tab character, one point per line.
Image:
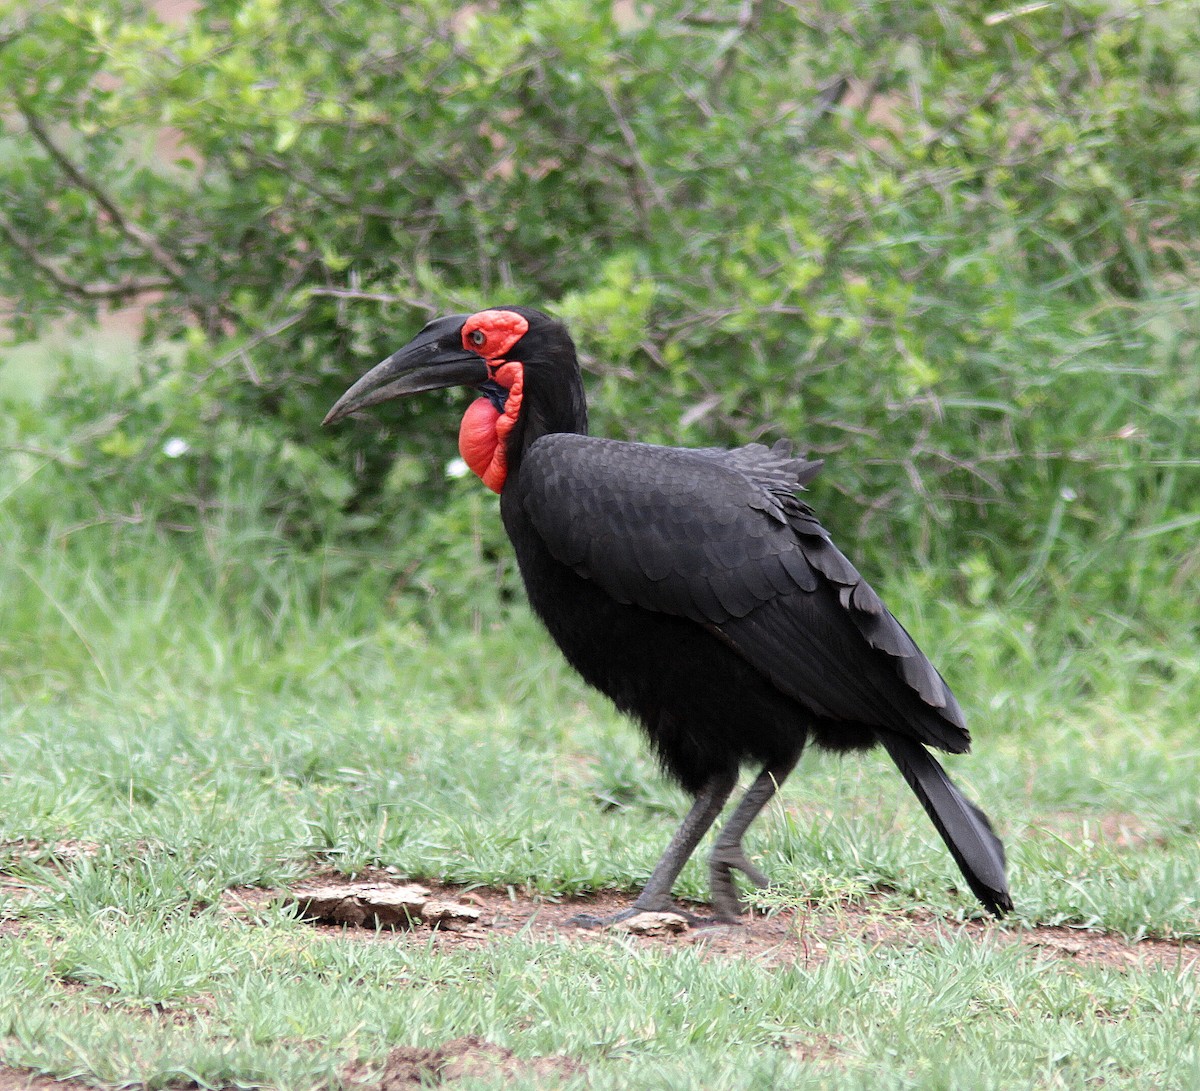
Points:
950	248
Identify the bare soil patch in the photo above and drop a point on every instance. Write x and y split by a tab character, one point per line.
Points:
18	1079
463	1058
30	850
804	935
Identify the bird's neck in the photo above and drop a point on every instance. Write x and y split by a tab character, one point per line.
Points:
520	405
553	402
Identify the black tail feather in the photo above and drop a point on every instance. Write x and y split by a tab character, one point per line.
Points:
964	827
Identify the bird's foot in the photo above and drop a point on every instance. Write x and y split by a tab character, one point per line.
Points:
590	920
659	905
721	865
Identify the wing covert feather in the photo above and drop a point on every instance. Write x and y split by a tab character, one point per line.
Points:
720	537
680	531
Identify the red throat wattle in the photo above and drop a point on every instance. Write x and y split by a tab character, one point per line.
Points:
484	430
483	434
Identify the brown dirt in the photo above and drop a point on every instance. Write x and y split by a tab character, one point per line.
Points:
803	936
31	849
17	1079
463	1058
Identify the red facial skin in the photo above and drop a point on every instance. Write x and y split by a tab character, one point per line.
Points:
484	431
501	330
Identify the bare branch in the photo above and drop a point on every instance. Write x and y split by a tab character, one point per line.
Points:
373	297
307	182
726	58
70	461
1001	81
132	231
630	138
137	517
13	31
264	334
828	99
116	290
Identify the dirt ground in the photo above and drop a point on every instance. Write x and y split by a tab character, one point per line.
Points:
801	936
471	918
462	1058
12	1079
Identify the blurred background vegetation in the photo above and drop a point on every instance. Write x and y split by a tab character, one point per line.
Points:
952	248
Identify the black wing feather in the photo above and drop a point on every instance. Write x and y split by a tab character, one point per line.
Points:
720	537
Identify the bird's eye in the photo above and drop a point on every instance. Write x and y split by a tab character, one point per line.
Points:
477	337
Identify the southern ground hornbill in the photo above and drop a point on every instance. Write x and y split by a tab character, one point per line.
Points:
696	590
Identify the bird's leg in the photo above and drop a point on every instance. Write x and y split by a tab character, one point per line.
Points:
656	894
728	852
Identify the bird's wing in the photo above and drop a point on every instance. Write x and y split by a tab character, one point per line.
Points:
682	532
721	538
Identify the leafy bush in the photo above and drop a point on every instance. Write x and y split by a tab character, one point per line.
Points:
949	248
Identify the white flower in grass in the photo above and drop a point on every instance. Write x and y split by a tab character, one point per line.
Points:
174	447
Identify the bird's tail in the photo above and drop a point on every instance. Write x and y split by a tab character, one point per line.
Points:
964	827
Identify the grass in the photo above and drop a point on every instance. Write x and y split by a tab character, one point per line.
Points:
185	714
954	1015
160	745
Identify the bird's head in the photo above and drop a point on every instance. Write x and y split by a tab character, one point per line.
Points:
521	361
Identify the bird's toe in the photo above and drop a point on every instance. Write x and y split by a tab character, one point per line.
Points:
590	920
724	894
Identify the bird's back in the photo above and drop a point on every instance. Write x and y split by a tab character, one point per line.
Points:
632	551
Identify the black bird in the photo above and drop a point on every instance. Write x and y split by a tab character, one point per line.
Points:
696	590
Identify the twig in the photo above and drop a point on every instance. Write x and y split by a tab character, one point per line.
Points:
130	230
828	99
630	138
373	297
135	519
115	290
69	461
1002	80
264	334
727	51
30	14
306	182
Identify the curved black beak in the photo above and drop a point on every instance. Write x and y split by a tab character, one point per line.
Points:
434	359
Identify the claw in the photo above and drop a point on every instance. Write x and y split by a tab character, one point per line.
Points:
726	903
590	920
